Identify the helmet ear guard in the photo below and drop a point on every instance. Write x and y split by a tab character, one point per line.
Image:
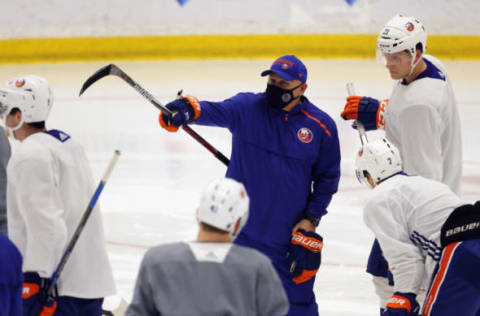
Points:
361	176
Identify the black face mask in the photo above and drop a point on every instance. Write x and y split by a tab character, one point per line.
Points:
278	97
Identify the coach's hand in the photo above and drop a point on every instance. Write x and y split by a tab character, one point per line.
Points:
304	224
304	255
184	110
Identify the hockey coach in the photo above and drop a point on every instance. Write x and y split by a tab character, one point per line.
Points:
286	152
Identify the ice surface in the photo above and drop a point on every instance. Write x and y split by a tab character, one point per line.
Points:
153	192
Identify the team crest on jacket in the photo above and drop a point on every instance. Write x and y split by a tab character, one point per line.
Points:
305	135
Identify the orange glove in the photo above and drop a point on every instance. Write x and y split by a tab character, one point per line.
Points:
369	111
35	298
402	304
185	110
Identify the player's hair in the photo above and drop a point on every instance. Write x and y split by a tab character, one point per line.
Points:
37	125
14	111
419	46
366	173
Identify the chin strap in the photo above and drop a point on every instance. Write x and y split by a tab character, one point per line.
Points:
413	65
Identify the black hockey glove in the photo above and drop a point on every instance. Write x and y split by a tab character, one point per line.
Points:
35	298
304	255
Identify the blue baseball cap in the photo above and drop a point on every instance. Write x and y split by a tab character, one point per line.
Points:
289	68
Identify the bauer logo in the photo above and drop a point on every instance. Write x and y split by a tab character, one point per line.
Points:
312	244
305	135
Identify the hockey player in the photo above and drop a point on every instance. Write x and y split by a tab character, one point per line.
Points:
4	157
49	186
286	152
420	118
425	233
11	279
210	276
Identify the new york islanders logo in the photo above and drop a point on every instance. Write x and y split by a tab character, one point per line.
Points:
19	83
409	26
284	64
305	135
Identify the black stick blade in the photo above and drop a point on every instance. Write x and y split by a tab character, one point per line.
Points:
99	74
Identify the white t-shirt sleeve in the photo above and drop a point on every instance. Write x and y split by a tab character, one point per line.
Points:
41	210
386	218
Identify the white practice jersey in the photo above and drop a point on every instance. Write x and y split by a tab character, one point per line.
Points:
422	121
406	214
49	188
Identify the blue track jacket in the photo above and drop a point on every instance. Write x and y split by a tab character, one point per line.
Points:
289	162
11	279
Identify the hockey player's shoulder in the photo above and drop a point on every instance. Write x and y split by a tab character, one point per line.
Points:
427	88
382	192
437	64
31	148
167	252
213	252
248	256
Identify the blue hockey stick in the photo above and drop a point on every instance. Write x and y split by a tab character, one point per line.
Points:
81	225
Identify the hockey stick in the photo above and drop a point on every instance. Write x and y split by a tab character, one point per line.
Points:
81	225
357	124
116	71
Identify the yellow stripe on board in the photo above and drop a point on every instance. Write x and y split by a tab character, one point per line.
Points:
218	46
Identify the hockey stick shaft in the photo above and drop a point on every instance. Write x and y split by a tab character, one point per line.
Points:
357	124
83	221
116	71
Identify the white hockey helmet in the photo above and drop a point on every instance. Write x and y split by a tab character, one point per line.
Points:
380	159
223	203
31	94
399	34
